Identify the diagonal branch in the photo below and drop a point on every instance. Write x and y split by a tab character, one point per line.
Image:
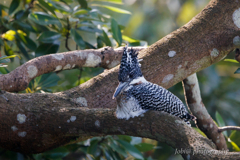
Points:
204	121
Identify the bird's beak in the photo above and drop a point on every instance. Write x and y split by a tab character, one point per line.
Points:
121	86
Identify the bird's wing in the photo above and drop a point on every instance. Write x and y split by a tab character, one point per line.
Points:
154	97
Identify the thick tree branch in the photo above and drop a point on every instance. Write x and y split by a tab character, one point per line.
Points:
204	121
19	79
51	120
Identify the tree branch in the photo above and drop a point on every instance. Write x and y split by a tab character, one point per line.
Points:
204	121
226	128
18	79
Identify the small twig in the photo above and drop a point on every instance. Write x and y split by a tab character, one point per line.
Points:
226	128
67	35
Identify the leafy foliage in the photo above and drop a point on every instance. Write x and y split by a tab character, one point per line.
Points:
65	23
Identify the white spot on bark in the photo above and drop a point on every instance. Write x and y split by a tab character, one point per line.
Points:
32	71
59	127
171	53
73	118
214	53
14	128
217	137
58	68
68	66
22	134
21	118
180	66
167	78
80	54
73	65
236	40
82	101
68	120
218	141
236	17
113	64
97	123
58	56
211	125
107	61
10	86
92	60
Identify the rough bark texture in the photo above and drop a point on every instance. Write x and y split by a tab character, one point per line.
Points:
38	122
204	121
19	79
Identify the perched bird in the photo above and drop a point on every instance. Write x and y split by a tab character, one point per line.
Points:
135	95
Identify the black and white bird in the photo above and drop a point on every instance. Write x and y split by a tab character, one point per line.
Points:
135	95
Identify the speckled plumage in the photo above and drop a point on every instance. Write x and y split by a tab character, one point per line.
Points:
135	95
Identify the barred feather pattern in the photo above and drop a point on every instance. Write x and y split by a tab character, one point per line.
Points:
149	96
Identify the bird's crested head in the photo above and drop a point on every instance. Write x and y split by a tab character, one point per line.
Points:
130	66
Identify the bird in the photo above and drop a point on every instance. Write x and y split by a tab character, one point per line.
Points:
135	95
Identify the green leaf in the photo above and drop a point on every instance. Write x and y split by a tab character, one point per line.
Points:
49	36
220	122
13	6
47	6
114	9
62	7
56	153
80	12
22	49
7	49
19	14
5	59
231	60
83	3
235	137
125	138
30	43
144	147
130	40
234	145
111	1
77	38
47	48
3	70
118	149
89	29
131	149
44	18
117	35
237	71
48	80
99	42
24	26
106	39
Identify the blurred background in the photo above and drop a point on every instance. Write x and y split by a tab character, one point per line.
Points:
32	28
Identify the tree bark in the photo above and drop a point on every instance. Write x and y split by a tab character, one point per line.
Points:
33	123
